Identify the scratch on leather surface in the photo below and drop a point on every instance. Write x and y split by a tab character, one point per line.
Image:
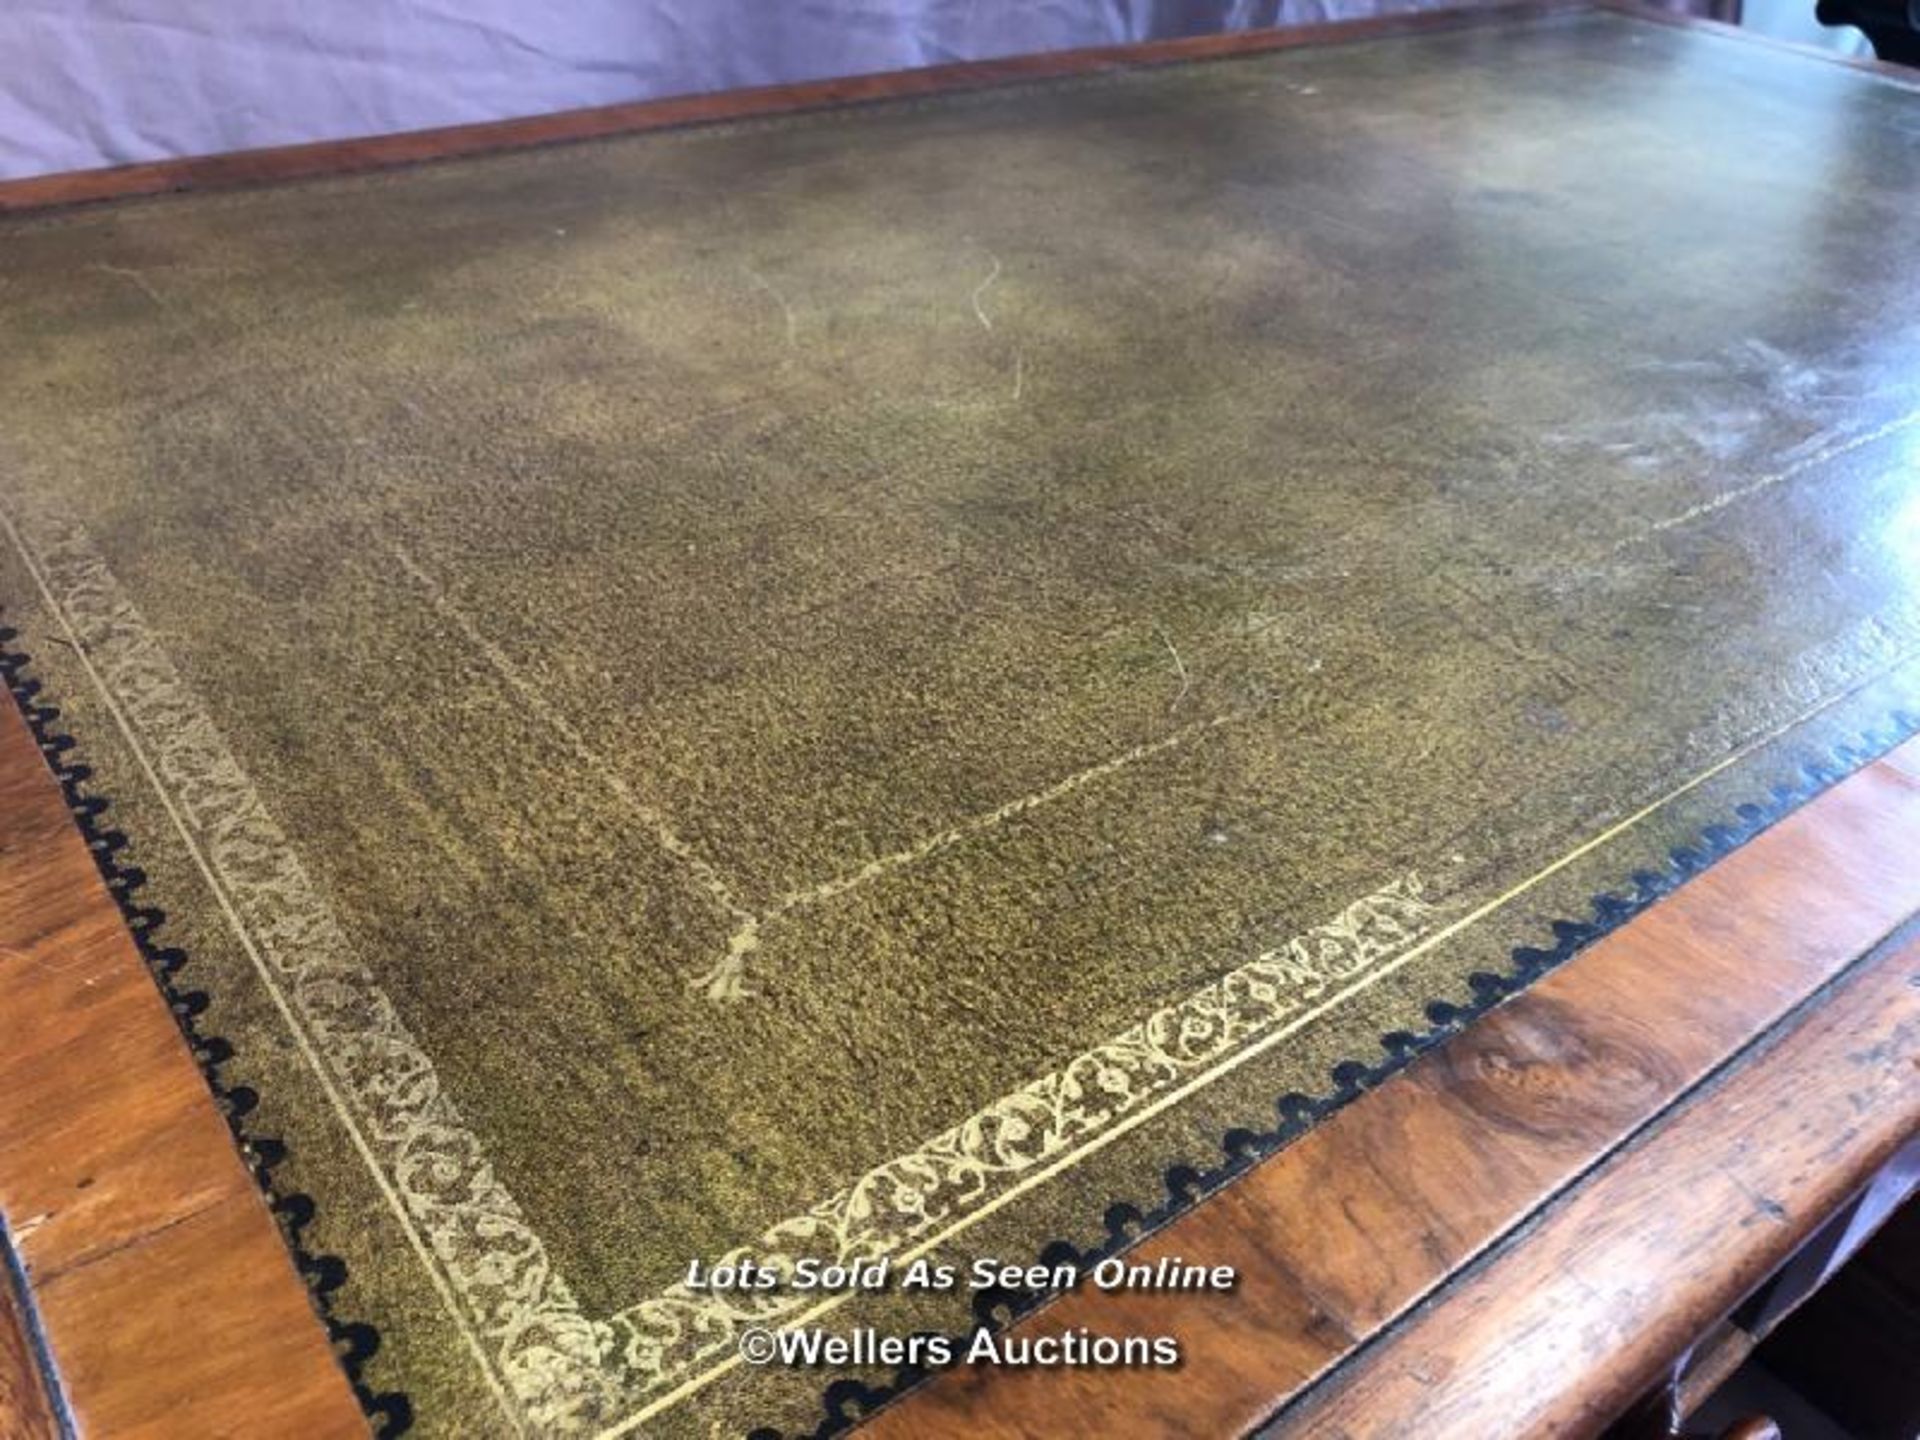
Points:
964	1169
428	1161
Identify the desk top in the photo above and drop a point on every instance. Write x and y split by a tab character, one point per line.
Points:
878	683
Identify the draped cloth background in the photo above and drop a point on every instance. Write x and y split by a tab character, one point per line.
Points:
888	682
108	82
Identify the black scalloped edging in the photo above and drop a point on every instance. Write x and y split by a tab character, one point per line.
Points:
846	1401
354	1342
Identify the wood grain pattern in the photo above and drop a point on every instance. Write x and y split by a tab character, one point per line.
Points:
1558	1335
167	1297
133	1210
26	1407
1345	1231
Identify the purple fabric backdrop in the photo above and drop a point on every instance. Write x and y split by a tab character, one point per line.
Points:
102	82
